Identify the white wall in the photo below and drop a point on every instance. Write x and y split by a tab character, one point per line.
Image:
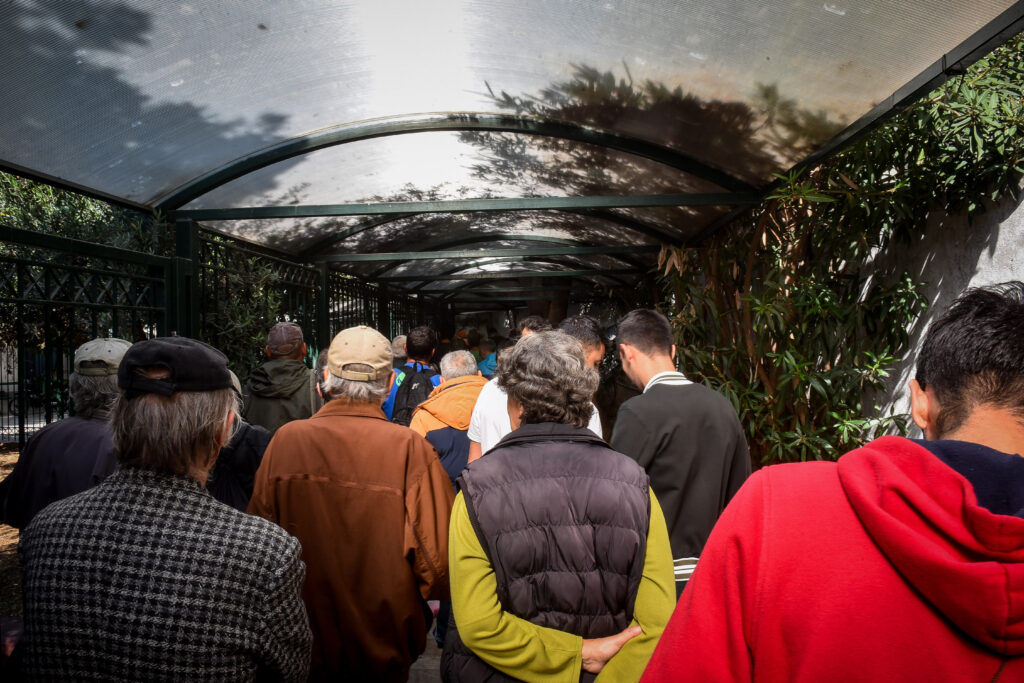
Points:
951	256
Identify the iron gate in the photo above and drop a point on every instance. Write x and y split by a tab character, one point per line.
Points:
56	294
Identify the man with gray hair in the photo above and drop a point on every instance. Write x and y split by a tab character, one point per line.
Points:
398	349
443	418
73	454
370	502
146	576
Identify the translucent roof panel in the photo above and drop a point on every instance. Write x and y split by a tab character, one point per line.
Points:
137	100
445	165
435	267
318	237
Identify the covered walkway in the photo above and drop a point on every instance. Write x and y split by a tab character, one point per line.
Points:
470	155
394	163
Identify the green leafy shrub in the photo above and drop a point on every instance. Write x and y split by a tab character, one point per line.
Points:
798	311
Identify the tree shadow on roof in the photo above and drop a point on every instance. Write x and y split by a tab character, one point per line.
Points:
750	141
68	114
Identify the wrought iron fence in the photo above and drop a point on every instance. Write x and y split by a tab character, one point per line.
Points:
57	293
242	291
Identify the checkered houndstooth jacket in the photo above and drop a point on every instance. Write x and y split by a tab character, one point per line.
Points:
147	578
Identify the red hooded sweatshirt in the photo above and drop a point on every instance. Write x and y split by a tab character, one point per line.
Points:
881	567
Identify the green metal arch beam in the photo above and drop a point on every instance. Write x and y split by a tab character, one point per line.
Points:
511	259
493	237
334	238
447	254
583	272
445	294
445	121
508	259
547	203
617	219
512	276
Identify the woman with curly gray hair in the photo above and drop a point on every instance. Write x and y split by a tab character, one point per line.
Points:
559	555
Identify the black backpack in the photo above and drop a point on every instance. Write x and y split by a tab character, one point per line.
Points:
414	390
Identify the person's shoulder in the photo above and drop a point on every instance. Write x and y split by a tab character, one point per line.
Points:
254	432
621	463
690	396
491	396
250	539
68	424
289	430
63	514
636	405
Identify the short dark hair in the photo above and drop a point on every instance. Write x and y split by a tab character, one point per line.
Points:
533	323
973	354
420	343
647	330
548	375
586	330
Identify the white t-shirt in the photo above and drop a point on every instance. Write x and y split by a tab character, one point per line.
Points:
489	423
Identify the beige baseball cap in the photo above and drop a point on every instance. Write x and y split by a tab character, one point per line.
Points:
363	345
100	357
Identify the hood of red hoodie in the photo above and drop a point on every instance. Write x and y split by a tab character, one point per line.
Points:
924	516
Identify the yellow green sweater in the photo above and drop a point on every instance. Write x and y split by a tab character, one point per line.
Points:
536	653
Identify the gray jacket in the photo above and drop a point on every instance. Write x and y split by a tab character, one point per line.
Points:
147	578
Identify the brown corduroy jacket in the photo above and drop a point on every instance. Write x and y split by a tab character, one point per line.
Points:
370	503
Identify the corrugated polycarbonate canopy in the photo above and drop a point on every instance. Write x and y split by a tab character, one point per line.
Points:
657	118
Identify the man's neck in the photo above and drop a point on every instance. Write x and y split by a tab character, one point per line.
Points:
648	367
996	428
414	360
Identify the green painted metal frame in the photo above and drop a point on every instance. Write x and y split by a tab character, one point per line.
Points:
501	237
547	286
31	238
523	274
380	221
486	253
508	259
534	260
470	205
447	121
325	243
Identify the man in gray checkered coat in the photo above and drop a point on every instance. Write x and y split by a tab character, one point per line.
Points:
147	577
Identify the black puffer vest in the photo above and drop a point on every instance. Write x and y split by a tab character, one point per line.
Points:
563	520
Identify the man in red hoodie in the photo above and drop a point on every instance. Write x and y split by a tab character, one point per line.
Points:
904	560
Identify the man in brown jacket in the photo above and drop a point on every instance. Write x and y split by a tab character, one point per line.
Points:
370	503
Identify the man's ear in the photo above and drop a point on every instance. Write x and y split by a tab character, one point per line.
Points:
304	349
626	353
672	352
266	350
479	374
391	380
924	409
441	380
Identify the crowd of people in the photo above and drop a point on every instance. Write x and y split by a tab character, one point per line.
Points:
480	492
